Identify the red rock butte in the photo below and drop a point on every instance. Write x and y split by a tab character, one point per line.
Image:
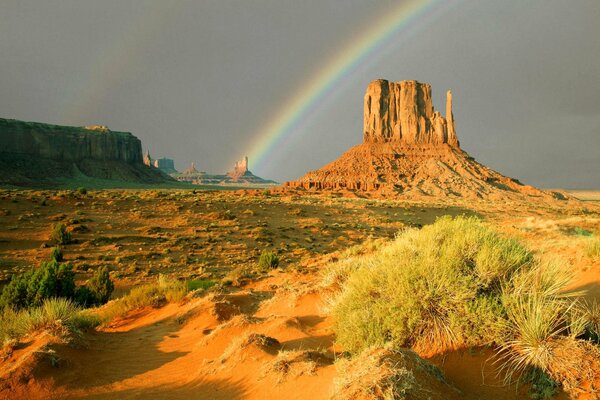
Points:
410	150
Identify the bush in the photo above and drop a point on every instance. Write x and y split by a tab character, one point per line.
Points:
100	286
54	280
56	254
268	260
459	283
60	234
30	289
435	288
82	190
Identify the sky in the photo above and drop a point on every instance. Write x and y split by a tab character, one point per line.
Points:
201	81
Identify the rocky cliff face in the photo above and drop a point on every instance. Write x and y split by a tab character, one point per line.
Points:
402	112
31	152
412	151
65	143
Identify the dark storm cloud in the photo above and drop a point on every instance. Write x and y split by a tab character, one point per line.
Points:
196	81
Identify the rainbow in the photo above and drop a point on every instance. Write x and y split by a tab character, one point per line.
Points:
295	113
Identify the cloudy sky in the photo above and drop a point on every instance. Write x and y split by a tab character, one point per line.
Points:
202	80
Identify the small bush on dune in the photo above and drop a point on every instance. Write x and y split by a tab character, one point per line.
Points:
435	287
54	280
101	287
268	260
60	235
30	289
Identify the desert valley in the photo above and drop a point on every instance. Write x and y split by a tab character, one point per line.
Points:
405	269
300	200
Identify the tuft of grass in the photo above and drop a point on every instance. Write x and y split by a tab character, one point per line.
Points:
592	247
157	294
58	315
382	374
268	260
203	284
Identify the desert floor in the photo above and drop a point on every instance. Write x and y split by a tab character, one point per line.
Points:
219	345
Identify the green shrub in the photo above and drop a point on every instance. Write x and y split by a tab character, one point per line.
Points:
435	287
60	234
82	190
458	283
268	260
30	289
101	287
56	254
196	284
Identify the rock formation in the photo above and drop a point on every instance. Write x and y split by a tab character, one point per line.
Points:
239	176
240	169
402	112
148	159
34	153
166	165
410	149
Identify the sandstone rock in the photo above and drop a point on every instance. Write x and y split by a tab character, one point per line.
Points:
240	169
410	150
32	152
402	112
166	165
148	159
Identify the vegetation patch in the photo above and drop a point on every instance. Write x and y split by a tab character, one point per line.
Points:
458	283
155	294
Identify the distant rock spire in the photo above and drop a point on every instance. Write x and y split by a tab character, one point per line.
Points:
147	158
452	139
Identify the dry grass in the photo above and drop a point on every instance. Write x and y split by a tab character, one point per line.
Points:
157	294
58	316
388	374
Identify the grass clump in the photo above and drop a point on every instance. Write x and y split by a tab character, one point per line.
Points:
592	247
156	294
202	284
60	235
268	260
58	315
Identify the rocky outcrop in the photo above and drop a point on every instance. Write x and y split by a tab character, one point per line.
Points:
240	169
32	153
410	150
166	165
66	143
239	176
402	112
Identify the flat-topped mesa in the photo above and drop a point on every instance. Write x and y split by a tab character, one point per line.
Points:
402	112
